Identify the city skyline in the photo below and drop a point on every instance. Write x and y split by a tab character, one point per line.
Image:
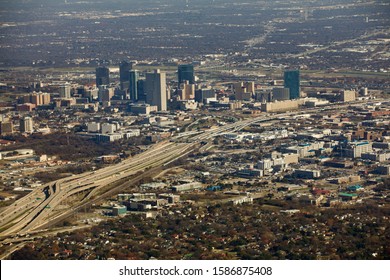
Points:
195	130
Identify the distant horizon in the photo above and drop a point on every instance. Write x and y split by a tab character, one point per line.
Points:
58	34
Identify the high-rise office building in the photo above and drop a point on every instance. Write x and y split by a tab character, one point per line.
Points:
186	91
186	73
26	125
124	78
244	90
156	90
45	98
133	85
105	93
292	82
141	90
65	91
102	76
91	94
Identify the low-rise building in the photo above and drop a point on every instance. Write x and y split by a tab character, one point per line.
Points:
355	149
305	149
93	127
348	196
250	173
131	133
6	127
354	188
345	179
119	210
265	164
108	128
306	173
242	200
171	198
187	187
279	106
108	137
144	109
383	169
379	157
381	145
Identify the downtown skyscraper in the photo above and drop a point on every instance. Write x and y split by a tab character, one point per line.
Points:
156	90
102	76
186	73
133	85
292	82
124	77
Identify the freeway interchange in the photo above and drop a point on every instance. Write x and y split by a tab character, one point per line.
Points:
41	207
37	208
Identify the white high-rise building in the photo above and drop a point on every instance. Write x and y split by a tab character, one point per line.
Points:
26	125
65	91
156	90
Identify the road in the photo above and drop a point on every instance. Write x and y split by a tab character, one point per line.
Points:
339	43
29	212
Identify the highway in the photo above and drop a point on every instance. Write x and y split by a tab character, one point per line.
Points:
41	206
339	43
29	212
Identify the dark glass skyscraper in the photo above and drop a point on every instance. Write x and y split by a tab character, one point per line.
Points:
102	76
141	90
133	85
186	73
124	78
292	82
